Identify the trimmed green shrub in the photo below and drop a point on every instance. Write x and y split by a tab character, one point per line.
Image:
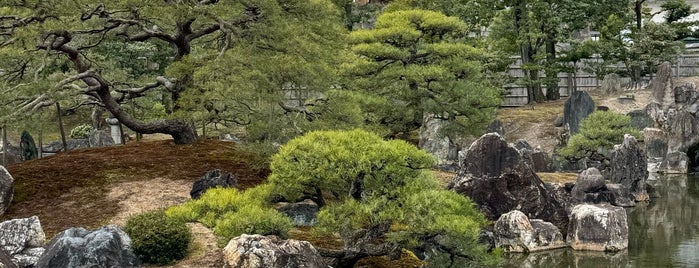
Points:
380	194
157	238
231	213
81	131
599	132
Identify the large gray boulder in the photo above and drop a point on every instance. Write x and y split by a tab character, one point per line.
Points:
212	179
577	108
629	167
256	251
514	232
656	144
640	119
598	228
686	94
6	260
100	138
611	83
73	144
620	195
589	182
14	154
436	143
591	188
661	86
107	246
539	160
7	186
23	240
684	132
28	146
302	213
498	179
675	163
655	110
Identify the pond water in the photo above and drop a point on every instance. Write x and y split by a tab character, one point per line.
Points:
662	233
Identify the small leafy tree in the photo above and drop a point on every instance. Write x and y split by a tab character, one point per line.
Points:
599	132
379	197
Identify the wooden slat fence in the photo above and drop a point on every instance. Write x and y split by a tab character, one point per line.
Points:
685	66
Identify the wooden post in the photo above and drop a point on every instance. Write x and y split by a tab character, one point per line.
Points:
41	143
203	129
4	146
121	134
60	127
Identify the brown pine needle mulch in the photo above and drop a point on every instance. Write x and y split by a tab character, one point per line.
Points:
71	189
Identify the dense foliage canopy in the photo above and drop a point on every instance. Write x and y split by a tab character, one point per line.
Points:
384	198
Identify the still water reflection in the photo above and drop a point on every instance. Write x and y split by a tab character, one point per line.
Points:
662	233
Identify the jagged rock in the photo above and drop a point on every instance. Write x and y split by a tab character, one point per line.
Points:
693	158
497	127
560	192
629	167
541	161
661	86
611	83
656	144
686	94
256	251
640	119
22	239
497	178
514	232
14	154
684	132
100	138
107	246
436	143
590	181
619	195
522	145
7	189
302	213
655	111
212	179
6	260
591	188
675	163
28	146
598	227
73	144
577	108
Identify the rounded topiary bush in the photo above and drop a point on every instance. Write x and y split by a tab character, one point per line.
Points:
81	131
157	238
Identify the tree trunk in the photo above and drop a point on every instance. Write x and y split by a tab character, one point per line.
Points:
537	93
552	92
638	8
4	145
181	131
96	117
60	127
